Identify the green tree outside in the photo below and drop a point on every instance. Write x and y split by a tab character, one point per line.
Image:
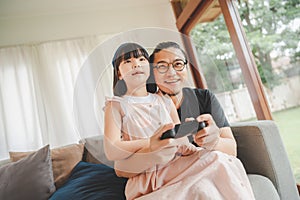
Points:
270	26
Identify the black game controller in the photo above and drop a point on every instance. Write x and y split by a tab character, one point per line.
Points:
183	129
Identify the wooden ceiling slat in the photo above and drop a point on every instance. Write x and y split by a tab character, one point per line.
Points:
197	11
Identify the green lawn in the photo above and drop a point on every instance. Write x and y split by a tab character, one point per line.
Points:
288	122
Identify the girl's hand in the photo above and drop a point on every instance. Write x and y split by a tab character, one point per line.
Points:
155	143
162	150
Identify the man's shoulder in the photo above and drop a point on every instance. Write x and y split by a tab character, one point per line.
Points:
197	91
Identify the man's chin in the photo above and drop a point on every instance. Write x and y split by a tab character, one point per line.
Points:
172	93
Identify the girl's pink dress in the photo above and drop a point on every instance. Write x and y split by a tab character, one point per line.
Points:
194	173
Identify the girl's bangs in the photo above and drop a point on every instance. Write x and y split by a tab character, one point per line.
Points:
127	51
135	54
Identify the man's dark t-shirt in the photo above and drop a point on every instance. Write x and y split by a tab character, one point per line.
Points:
199	101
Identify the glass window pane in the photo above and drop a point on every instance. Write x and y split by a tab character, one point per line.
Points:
221	69
272	29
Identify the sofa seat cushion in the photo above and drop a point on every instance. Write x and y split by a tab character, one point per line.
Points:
92	181
262	187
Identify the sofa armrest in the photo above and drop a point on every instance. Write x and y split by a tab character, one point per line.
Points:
262	152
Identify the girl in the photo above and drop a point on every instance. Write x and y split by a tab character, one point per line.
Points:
134	113
134	122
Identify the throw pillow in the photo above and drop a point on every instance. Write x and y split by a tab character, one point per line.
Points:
28	178
92	181
64	159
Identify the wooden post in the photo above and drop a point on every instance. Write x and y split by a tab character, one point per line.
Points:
198	77
246	60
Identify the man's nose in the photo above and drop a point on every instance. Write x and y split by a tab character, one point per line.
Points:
171	70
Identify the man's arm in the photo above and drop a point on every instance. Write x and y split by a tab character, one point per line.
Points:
226	143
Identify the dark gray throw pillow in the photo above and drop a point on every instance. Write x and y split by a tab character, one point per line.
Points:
28	178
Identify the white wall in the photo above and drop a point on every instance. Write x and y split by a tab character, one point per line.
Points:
19	26
238	107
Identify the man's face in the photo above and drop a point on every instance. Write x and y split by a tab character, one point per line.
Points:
172	81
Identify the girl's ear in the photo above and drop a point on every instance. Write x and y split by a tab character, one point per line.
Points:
119	75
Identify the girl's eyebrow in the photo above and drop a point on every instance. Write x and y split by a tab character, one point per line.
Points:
125	60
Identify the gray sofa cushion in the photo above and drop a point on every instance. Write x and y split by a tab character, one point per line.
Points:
262	187
28	178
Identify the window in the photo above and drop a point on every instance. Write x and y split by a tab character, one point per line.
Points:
221	68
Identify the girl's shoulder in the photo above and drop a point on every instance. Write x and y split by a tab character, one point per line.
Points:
113	99
163	97
111	102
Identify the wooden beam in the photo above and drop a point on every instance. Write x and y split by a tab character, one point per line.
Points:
246	60
197	11
198	77
212	12
187	13
177	9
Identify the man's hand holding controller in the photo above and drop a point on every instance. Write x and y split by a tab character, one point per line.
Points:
204	130
209	137
184	129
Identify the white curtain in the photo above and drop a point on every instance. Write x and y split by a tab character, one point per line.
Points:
36	91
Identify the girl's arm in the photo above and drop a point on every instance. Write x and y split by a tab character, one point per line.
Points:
114	147
158	152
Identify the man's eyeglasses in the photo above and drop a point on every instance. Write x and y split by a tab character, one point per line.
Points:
178	65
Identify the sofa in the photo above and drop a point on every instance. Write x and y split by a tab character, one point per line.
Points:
260	149
263	155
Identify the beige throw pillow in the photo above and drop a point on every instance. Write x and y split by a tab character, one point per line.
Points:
64	159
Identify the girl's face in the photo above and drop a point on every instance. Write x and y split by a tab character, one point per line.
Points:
134	71
172	81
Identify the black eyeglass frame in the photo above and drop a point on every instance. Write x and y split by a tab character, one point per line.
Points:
168	66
